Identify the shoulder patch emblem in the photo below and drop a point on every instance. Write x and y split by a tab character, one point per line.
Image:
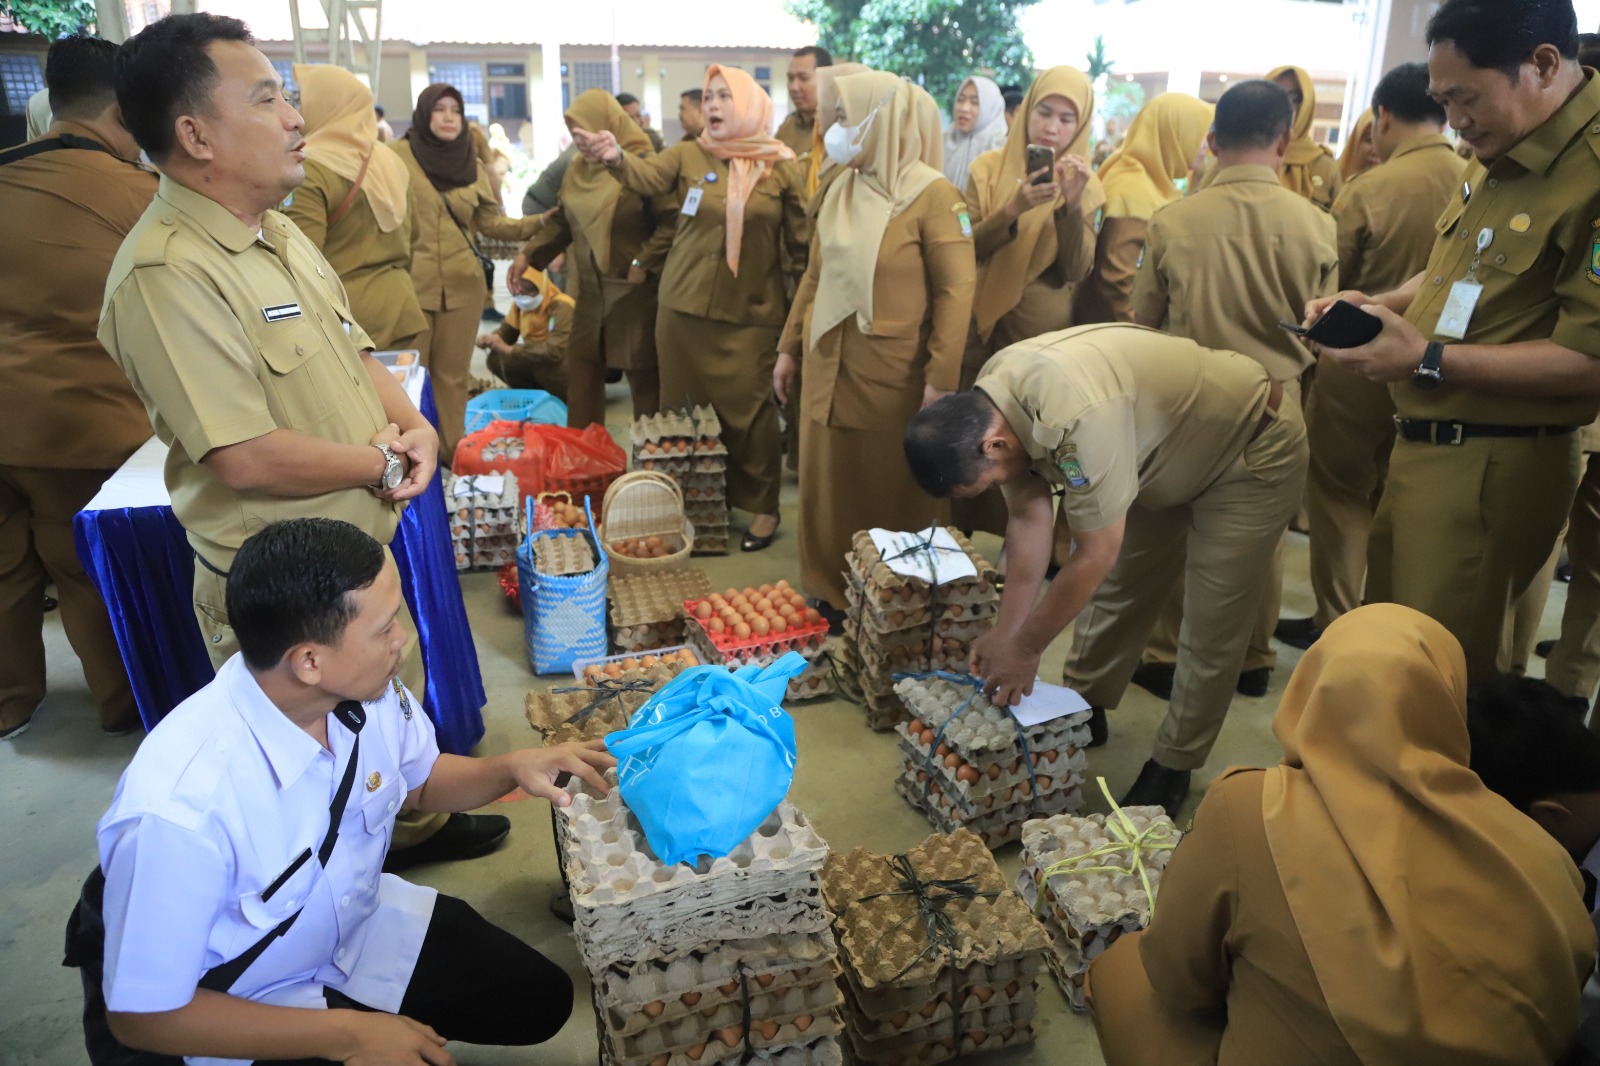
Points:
1593	273
963	217
1072	470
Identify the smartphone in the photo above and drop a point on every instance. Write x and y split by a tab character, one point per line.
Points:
1342	325
1041	158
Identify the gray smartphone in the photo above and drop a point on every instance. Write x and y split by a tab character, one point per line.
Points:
1041	158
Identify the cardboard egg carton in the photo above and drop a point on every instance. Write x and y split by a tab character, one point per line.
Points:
914	656
1014	1014
815	681
995	827
1054	769
805	1041
564	554
980	1007
944	1049
700	975
647	609
1086	912
870	611
786	996
975	727
483	525
897	1006
887	590
503	449
550	713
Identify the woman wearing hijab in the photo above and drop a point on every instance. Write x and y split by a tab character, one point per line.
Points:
1366	901
978	125
1309	169
821	170
1360	154
885	302
1139	177
355	204
723	289
616	242
454	200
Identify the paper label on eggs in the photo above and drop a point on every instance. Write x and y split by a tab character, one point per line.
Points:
932	555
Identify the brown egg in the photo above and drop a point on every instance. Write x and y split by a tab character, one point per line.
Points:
653	1009
653	542
927	738
768	1030
951	761
783	583
650	660
984	993
661	1060
778	624
931	1009
1044	783
944	748
591	673
728	989
900	1019
1011	990
759	626
730	1035
977	1036
715	625
762	604
613	670
702	609
966	773
885	595
694	1051
765	979
765	590
717	600
730	594
813	616
630	663
993	771
787	611
914	727
741	631
688	657
690	998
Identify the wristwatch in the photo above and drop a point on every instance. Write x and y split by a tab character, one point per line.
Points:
393	470
1430	372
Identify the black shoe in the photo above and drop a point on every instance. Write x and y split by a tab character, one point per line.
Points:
753	543
12	732
1297	632
613	376
1578	705
1159	787
1564	573
1155	678
1099	731
831	615
463	836
1544	648
122	728
1254	683
561	907
50	604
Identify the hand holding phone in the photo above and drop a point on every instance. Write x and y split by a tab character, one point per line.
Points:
1040	158
1342	325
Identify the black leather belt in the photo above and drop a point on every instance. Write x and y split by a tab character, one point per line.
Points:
1420	431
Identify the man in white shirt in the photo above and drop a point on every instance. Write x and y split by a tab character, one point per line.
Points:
221	834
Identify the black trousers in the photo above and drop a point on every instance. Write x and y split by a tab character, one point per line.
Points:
476	983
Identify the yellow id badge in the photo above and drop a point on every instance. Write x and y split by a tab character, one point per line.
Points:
1458	307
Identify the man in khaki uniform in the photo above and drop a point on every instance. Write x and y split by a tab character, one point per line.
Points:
1385	218
1223	267
1176	465
1492	348
72	419
799	128
236	333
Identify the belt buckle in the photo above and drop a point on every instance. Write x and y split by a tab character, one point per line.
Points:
1457	433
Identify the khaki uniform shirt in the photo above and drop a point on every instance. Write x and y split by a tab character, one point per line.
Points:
374	266
1224	266
921	306
1385	215
1540	273
1106	295
1326	181
1117	414
696	279
444	269
228	335
799	133
67	405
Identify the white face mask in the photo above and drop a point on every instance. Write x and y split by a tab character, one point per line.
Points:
843	143
528	303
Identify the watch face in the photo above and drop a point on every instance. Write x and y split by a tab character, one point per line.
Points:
392	475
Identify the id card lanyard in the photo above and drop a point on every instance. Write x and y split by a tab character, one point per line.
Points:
1464	294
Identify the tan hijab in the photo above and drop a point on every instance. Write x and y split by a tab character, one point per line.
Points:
1444	926
750	149
930	126
1353	160
997	175
1142	175
342	131
1303	151
588	190
827	103
862	200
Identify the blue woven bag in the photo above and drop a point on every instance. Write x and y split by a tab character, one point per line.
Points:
563	615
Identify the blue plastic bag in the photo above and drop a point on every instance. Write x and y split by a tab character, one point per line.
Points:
704	762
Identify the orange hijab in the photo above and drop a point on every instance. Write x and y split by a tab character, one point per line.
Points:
1445	927
749	149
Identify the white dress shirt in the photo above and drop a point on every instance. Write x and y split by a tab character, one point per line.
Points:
220	799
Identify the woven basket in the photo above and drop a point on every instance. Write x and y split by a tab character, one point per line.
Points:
645	504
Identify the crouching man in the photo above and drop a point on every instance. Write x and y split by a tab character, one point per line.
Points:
246	917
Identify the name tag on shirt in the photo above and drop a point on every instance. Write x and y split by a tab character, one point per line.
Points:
691	202
279	312
1458	307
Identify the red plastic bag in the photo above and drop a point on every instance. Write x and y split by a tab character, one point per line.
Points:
583	462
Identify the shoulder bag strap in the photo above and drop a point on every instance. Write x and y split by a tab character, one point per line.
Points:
350	197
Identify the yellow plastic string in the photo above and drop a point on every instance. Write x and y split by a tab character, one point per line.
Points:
1130	842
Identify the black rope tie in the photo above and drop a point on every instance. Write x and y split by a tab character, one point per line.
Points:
605	690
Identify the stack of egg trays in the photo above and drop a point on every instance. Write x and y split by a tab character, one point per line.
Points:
647	608
906	1005
483	526
815	681
1085	913
557	556
686	445
550	713
976	773
890	625
645	929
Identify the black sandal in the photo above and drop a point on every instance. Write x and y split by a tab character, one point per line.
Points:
752	543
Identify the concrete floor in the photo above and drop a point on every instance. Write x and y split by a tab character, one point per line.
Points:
56	780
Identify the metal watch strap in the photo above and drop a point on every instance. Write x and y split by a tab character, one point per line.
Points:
389	458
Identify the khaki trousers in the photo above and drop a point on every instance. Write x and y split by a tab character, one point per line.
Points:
1219	550
1259	653
1462	530
36	547
1574	666
446	347
211	612
1350	427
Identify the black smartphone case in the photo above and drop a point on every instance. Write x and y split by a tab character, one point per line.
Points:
1344	325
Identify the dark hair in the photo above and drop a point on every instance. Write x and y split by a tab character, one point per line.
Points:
1529	741
627	98
1013	96
1589	49
1252	114
1501	34
694	96
379	109
163	71
80	74
944	442
1403	92
290	583
823	57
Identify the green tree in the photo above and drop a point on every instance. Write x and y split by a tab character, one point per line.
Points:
1098	63
51	18
937	43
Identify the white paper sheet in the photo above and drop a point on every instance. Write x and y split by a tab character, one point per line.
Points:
482	485
952	564
1046	703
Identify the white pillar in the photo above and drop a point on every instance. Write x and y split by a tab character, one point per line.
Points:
1184	80
549	129
652	88
111	20
419	71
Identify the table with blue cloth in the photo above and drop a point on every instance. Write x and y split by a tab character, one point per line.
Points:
138	557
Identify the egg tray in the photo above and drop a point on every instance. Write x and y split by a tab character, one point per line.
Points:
563	554
711	513
997	827
647	637
954	608
708	969
895	1006
656	596
815	1045
945	1049
790	995
882	940
814	681
710	543
1070	969
674	466
706	500
478	503
948	630
690	423
503	448
626	672
547	712
866	566
1013	1013
950	655
981	729
801	638
486	557
1063	774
